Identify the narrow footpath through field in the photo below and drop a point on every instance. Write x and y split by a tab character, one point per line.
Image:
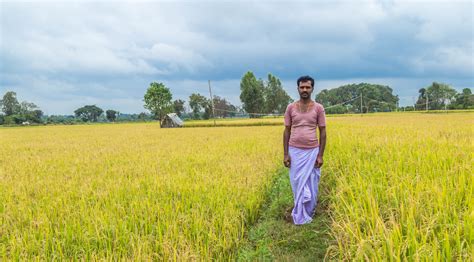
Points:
273	238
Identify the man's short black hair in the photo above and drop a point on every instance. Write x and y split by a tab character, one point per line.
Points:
305	79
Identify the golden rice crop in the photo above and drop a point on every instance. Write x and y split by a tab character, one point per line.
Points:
400	188
131	191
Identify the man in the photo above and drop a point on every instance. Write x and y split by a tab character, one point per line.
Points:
302	152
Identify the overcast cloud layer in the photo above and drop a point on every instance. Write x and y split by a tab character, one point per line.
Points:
63	55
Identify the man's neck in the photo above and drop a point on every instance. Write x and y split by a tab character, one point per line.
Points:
305	100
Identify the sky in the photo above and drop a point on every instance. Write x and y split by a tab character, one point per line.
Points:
62	55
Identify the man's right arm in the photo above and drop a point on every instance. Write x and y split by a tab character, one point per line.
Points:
286	139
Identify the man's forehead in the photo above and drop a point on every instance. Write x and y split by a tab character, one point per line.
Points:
305	83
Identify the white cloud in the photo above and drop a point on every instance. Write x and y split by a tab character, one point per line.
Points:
112	50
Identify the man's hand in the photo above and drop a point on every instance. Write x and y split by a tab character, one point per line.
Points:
319	162
287	161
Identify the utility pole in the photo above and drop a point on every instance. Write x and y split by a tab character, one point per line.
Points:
212	102
361	102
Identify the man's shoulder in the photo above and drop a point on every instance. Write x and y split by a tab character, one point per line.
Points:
319	106
290	105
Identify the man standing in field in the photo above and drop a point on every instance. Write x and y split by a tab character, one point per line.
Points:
302	152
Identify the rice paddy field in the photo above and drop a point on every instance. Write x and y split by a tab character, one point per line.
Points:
400	187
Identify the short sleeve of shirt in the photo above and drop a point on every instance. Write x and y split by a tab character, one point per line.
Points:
288	115
321	117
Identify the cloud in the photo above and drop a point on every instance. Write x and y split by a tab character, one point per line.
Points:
112	50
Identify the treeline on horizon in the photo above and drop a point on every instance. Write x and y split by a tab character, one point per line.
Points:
259	98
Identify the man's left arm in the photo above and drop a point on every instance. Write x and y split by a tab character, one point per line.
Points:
322	146
321	123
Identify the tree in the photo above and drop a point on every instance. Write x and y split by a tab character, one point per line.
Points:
197	102
223	108
251	94
38	114
89	113
207	109
16	113
158	100
276	98
421	102
33	115
438	95
464	100
375	98
178	106
10	105
111	115
29	112
26	107
142	116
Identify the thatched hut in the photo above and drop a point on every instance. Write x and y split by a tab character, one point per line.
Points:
172	120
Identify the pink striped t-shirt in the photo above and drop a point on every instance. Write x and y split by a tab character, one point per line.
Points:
303	125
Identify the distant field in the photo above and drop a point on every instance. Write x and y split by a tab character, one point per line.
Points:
278	120
399	185
270	121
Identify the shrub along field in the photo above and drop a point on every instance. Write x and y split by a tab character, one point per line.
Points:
398	186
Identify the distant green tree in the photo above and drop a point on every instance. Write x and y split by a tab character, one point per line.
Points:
142	116
375	98
198	102
223	108
10	104
89	113
26	107
276	98
178	106
421	102
438	95
158	100
207	105
29	112
34	116
111	115
17	113
463	100
252	94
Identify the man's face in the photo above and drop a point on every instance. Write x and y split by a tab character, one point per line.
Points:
305	89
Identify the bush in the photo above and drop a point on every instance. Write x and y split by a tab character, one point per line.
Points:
340	109
14	120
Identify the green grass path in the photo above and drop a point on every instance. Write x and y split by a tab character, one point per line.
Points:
272	238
